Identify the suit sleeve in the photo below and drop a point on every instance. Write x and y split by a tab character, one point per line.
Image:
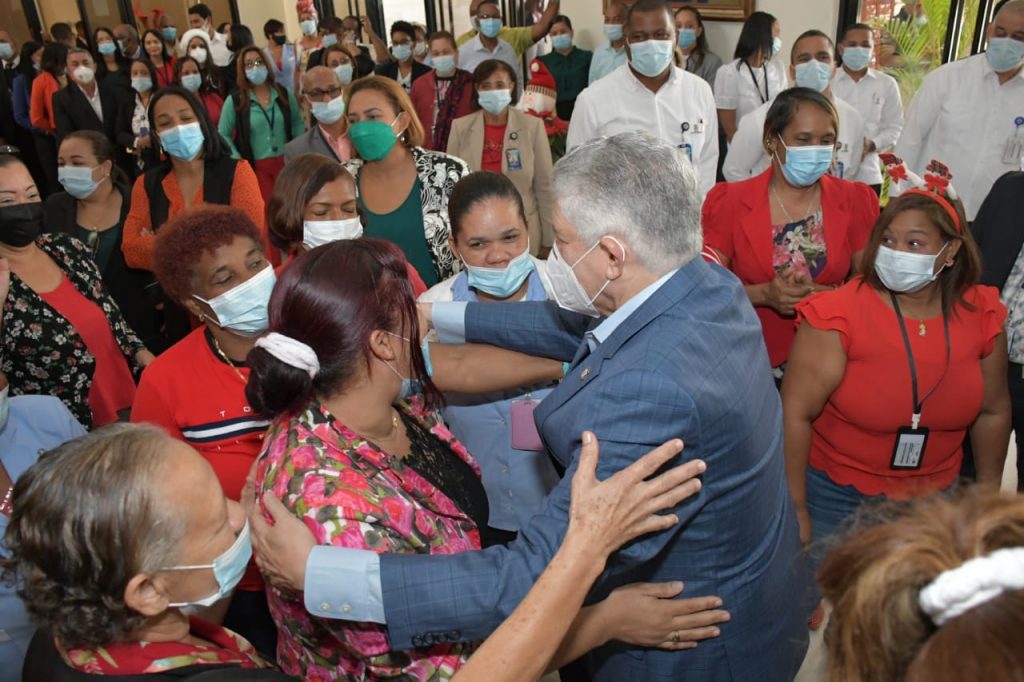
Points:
533	327
62	116
543	178
125	109
455	144
466	596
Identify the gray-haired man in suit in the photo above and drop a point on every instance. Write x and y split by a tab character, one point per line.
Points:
323	91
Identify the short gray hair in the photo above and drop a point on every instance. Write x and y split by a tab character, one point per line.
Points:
636	187
88	516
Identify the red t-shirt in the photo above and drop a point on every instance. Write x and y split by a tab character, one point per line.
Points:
112	388
854	437
494	143
200	399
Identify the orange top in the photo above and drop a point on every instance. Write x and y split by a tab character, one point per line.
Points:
138	232
40	110
854	436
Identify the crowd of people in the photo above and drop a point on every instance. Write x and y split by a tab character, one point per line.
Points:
347	357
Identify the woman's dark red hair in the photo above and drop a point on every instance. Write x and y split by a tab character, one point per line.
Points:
332	298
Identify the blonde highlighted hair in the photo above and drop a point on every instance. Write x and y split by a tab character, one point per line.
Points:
874	578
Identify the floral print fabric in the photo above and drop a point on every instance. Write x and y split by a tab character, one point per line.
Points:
141	658
800	246
352	494
42	352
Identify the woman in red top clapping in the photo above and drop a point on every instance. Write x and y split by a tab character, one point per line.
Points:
888	372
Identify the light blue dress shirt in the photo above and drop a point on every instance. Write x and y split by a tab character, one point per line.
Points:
605	60
36	423
347	581
516	481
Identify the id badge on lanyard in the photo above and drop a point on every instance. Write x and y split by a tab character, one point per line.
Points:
908	451
1013	152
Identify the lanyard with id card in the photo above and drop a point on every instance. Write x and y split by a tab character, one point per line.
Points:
908	452
1013	153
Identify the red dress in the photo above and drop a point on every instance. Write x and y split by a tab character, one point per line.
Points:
737	224
112	388
853	438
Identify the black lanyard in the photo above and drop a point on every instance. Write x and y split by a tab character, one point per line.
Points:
273	112
764	98
916	417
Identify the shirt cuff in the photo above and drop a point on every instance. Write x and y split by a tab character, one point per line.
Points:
450	321
344	584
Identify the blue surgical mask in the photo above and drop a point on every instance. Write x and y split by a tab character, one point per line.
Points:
1004	54
243	309
257	75
814	75
169	33
613	32
651	57
401	52
6	50
687	38
192	82
776	46
562	41
805	165
329	40
77	181
490	27
494	101
106	49
183	142
500	282
856	58
410	387
329	112
142	84
344	73
444	64
308	27
904	272
228	569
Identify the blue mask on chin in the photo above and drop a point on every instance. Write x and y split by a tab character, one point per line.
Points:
500	282
410	387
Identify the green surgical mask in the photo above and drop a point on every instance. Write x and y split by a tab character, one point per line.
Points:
373	139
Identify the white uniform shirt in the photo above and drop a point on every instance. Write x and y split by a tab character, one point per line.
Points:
876	97
219	52
964	118
474	52
735	89
620	103
747	158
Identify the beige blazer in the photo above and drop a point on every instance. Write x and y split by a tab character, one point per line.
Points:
525	134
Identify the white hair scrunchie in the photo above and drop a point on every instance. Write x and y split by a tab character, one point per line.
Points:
977	581
291	352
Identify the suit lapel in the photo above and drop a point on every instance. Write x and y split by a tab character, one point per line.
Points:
84	104
835	218
756	224
475	135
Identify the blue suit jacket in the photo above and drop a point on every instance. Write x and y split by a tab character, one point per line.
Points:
689	363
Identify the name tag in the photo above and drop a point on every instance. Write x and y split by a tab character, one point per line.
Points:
524	427
909	451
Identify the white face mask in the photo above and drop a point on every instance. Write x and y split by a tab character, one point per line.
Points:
566	287
904	272
198	54
318	232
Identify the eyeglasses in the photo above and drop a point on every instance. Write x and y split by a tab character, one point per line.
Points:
255	62
317	93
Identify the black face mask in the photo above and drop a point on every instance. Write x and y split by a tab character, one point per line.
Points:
280	40
20	224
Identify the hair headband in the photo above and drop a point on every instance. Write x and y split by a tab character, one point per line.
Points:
937	182
972	584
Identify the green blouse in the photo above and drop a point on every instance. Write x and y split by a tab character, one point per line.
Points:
404	227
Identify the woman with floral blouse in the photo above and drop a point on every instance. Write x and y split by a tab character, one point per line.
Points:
62	334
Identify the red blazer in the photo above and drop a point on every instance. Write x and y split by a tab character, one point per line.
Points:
422	96
737	223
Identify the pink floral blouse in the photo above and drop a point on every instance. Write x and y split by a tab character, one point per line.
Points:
351	494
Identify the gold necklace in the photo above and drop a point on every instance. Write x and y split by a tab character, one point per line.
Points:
224	357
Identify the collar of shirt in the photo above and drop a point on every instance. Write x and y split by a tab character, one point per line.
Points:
841	74
476	45
339	144
94	96
599	334
13	63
